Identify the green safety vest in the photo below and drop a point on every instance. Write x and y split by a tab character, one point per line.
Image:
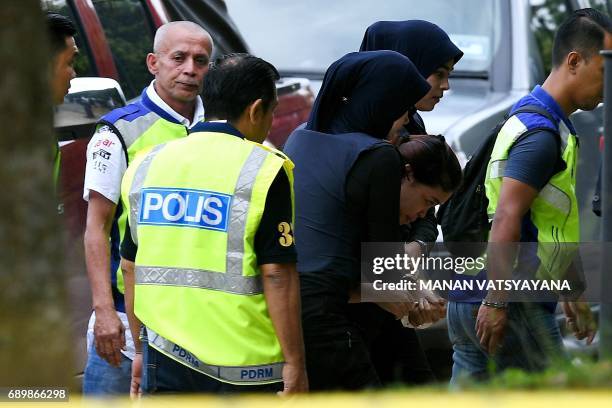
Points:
195	205
554	212
57	161
137	135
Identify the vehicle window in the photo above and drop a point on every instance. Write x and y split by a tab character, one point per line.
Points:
88	100
83	62
129	32
333	28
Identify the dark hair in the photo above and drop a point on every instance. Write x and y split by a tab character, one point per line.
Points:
583	31
59	28
432	160
234	81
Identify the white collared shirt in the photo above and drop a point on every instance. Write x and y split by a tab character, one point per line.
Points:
106	162
198	114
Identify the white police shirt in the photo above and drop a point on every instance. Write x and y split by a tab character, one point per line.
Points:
105	158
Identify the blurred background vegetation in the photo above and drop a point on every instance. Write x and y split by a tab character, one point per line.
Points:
129	36
546	16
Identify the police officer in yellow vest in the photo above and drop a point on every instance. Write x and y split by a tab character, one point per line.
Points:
530	185
210	220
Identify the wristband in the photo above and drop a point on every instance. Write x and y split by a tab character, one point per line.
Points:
424	247
496	305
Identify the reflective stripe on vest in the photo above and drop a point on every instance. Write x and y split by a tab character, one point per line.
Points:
198	278
554	211
552	194
130	131
239	210
258	374
232	281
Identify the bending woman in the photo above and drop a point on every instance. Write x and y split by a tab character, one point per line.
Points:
348	180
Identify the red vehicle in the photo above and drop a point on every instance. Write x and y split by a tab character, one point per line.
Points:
114	37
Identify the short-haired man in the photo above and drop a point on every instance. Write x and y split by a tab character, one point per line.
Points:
531	190
166	110
64	50
61	33
215	280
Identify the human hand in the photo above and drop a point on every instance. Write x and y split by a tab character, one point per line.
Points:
295	379
135	390
580	320
434	306
490	327
109	335
425	314
412	249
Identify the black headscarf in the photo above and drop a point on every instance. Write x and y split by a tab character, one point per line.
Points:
424	43
366	92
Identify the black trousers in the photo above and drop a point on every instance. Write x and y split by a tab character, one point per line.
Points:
395	350
339	362
337	355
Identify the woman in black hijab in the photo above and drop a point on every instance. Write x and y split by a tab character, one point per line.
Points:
434	55
348	180
430	50
396	351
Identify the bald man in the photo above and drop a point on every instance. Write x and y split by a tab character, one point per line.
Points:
166	110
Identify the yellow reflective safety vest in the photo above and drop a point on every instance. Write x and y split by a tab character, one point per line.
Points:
554	212
139	126
57	162
195	205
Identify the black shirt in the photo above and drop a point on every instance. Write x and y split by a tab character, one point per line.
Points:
423	229
372	194
372	205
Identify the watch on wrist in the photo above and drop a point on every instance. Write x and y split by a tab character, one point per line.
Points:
424	247
496	305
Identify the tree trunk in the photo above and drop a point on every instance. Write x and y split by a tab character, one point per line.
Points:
35	345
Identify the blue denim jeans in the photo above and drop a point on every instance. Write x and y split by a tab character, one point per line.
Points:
102	379
531	342
162	374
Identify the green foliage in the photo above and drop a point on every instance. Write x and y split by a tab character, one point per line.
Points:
545	19
574	375
130	38
82	64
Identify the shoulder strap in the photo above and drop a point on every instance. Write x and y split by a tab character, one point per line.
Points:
541	111
534	109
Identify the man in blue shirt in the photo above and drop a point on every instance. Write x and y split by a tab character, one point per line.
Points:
525	335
